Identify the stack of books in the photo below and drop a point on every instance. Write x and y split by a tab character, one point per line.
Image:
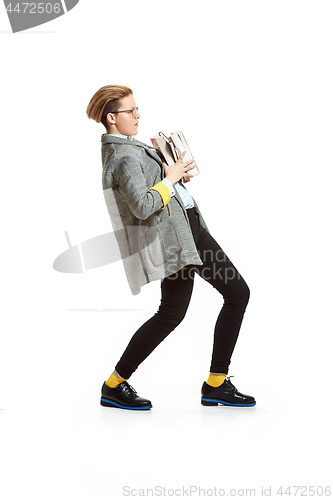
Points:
172	147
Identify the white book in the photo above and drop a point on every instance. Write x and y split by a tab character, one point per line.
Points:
180	143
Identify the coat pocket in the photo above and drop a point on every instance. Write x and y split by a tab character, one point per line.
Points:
161	241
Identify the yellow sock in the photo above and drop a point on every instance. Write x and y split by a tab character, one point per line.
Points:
112	381
216	380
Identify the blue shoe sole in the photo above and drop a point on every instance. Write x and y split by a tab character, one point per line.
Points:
215	402
108	402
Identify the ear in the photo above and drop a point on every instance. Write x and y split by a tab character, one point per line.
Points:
111	118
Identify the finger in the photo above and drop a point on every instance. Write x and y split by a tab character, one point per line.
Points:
182	156
189	167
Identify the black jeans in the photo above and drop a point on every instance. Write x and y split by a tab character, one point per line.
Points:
176	291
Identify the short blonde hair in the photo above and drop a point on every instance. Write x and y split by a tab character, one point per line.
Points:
106	100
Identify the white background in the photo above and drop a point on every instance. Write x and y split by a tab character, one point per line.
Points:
250	84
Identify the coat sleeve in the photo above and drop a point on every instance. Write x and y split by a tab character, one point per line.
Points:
141	199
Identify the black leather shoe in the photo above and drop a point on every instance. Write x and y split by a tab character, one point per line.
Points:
123	396
225	394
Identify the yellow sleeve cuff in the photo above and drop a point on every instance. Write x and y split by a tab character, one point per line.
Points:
164	191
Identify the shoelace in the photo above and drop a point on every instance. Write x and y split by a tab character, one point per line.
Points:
230	384
127	387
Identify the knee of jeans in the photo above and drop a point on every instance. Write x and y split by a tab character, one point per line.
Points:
170	320
244	294
240	297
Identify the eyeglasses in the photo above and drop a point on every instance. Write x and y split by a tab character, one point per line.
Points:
134	111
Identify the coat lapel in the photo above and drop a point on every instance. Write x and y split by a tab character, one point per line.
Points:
152	152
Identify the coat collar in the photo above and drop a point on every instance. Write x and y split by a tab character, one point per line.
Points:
112	139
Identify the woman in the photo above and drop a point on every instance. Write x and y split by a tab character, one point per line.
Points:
162	235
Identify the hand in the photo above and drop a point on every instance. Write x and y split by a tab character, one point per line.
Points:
179	169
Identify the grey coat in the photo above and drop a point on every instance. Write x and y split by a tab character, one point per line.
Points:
154	242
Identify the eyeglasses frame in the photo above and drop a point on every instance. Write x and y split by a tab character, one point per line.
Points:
126	111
